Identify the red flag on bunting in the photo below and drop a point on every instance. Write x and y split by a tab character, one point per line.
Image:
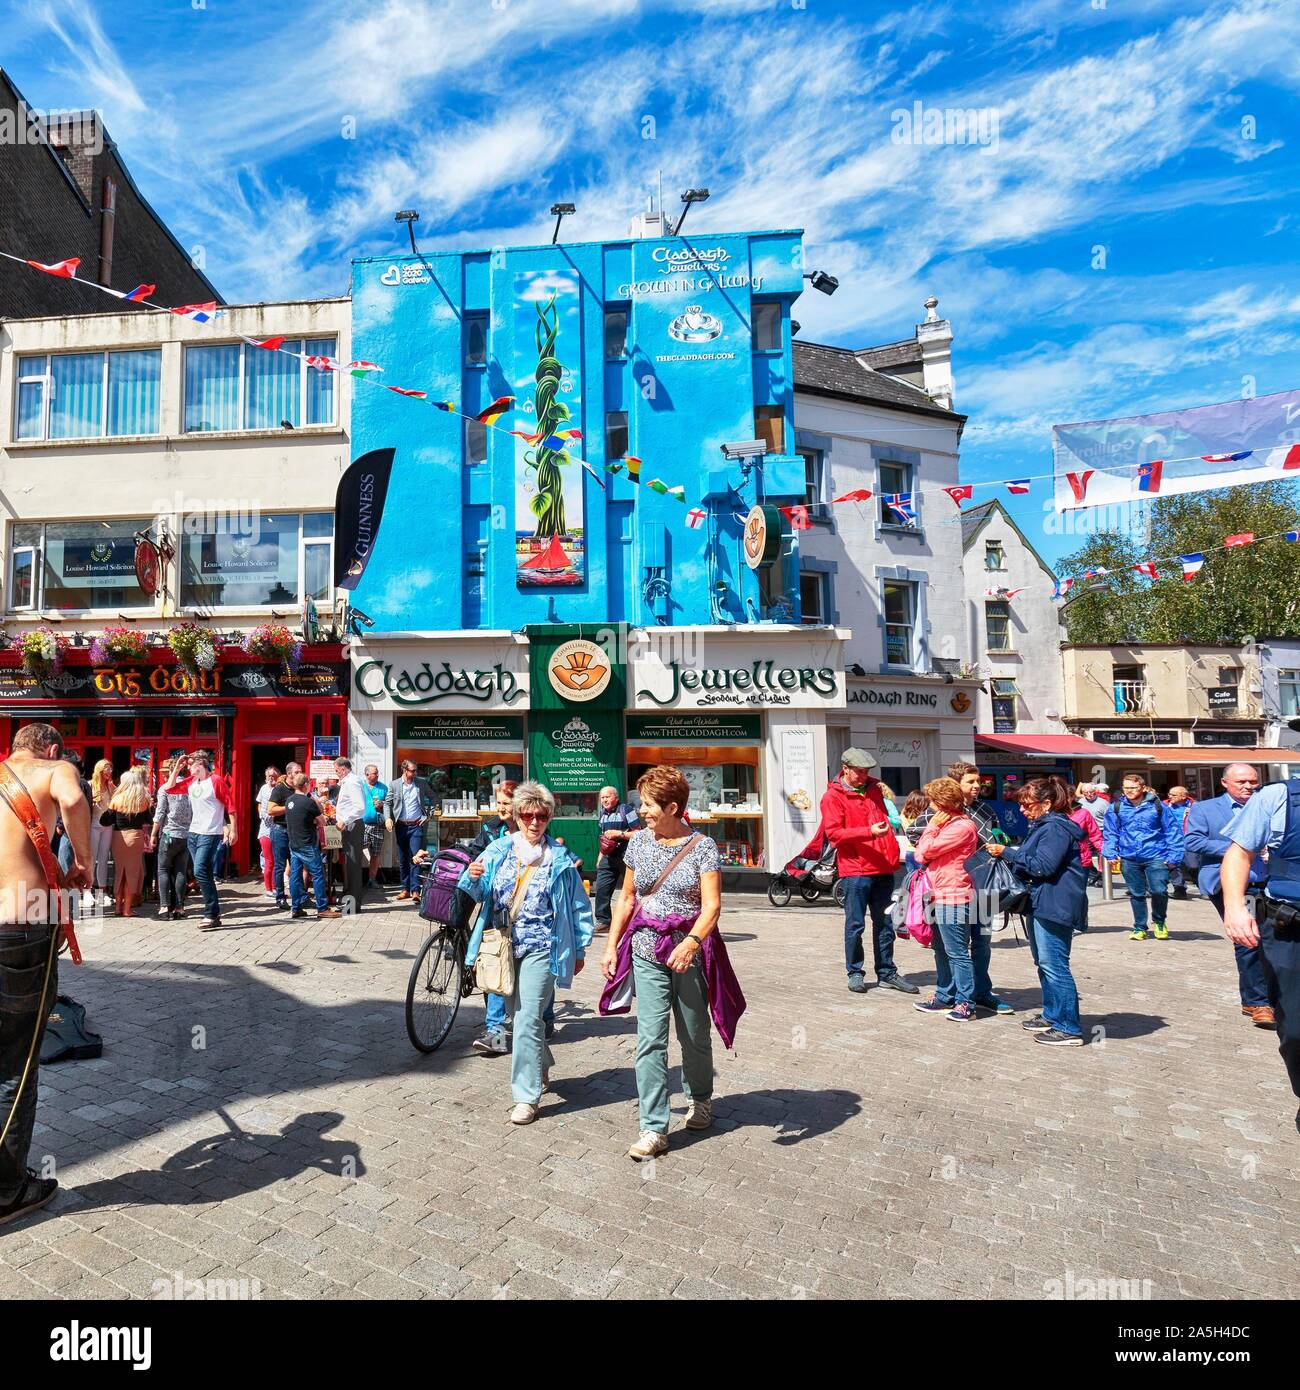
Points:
1146	567
799	519
1292	459
959	494
66	270
271	344
859	494
1241	538
1079	483
402	391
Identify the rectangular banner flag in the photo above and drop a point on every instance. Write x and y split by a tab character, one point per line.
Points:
1018	486
1242	538
358	509
959	494
1177	451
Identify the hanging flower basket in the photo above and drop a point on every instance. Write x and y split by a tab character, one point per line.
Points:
194	647
274	642
41	649
118	646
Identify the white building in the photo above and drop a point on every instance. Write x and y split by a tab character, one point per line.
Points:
882	419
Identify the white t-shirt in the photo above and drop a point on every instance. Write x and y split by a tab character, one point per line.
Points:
207	808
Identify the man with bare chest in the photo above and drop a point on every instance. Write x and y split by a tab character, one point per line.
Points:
28	914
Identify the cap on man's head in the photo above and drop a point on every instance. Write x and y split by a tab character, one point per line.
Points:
858	757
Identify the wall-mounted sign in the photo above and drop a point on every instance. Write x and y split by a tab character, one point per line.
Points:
578	671
394	676
667	729
895	697
800	784
762	538
468	730
1222	699
761	683
326	746
1224	738
960	702
577	665
572	752
115	684
1138	738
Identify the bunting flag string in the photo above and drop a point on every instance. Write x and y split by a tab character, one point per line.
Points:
901	505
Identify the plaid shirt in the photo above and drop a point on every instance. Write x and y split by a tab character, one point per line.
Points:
987	829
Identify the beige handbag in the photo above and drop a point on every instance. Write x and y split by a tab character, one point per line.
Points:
494	969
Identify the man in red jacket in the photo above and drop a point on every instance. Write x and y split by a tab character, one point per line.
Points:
855	821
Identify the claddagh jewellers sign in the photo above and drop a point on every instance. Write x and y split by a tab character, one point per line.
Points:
760	683
384	683
690	270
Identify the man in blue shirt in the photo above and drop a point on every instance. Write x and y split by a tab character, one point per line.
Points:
1270	822
376	793
406	812
1209	827
1147	838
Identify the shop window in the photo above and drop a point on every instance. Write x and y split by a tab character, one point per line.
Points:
994	556
769	426
1288	693
997	625
725	800
616	320
893	478
900	622
766	327
814	598
616	434
262	561
88	395
814	479
476	339
1131	693
74	565
1004	695
238	386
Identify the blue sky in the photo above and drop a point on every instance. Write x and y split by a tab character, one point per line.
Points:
281	137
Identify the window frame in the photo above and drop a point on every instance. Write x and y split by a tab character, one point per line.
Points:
992	549
475	430
888	519
821	580
611	455
776	413
1004	604
242	403
46	379
771	309
1288	683
1012	694
37	550
472	320
910	587
814	489
187	601
623	308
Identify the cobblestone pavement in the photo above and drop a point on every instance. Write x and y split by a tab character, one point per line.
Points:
258	1114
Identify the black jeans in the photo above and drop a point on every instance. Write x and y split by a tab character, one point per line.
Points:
24	1007
173	872
354	864
609	879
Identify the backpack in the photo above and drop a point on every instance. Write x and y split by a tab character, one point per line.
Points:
66	1037
442	900
919	925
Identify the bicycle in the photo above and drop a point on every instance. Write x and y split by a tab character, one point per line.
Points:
439	980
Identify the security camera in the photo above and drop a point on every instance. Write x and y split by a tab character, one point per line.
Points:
745	449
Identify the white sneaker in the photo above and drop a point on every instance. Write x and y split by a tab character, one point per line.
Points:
700	1115
649	1145
523	1114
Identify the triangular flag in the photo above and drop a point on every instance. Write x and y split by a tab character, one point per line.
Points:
859	494
402	391
1149	475
1147	568
1242	538
363	368
696	518
959	494
1226	458
136	295
66	270
1062	586
1019	486
799	519
196	313
322	364
1292	459
1079	483
1099	573
1292	536
633	467
448	406
270	344
495	411
1191	565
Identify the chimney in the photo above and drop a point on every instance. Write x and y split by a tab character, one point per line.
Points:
934	337
78	138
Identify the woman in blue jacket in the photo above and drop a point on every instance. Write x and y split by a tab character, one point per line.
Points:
1048	859
532	882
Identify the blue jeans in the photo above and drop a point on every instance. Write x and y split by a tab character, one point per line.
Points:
954	976
1143	876
1279	948
1252	979
494	1016
981	956
409	839
308	857
530	1056
203	851
280	859
865	893
1049	943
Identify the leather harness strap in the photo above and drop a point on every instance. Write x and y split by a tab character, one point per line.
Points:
19	801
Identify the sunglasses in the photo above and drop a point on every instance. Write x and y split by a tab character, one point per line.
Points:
533	815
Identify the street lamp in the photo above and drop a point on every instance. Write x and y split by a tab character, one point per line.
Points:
560	211
828	284
410	217
692	195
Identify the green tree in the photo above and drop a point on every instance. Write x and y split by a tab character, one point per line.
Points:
1250	590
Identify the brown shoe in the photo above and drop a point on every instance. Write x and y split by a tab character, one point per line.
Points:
329	912
402	896
1260	1015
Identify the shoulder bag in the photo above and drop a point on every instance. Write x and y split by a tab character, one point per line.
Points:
494	970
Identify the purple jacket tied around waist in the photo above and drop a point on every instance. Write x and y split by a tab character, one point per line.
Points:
726	1002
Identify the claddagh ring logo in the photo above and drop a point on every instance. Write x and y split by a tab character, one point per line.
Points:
695	326
578	670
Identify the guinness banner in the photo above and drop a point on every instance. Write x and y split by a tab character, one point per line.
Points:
358	510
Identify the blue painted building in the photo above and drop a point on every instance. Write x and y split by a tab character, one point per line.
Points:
661	349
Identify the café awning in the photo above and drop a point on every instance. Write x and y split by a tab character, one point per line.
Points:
1221	756
1052	746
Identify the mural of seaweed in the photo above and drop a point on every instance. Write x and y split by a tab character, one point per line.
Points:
548	502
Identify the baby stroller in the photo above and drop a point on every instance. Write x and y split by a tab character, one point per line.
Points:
811	877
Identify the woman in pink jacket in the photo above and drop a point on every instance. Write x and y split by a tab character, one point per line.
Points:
949	840
1090	848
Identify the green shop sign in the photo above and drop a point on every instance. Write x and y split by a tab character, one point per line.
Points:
460	730
575	751
694	728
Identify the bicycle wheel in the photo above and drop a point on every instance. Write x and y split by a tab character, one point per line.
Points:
778	893
433	991
839	892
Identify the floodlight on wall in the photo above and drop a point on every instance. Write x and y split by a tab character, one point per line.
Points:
827	284
560	211
410	217
691	195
